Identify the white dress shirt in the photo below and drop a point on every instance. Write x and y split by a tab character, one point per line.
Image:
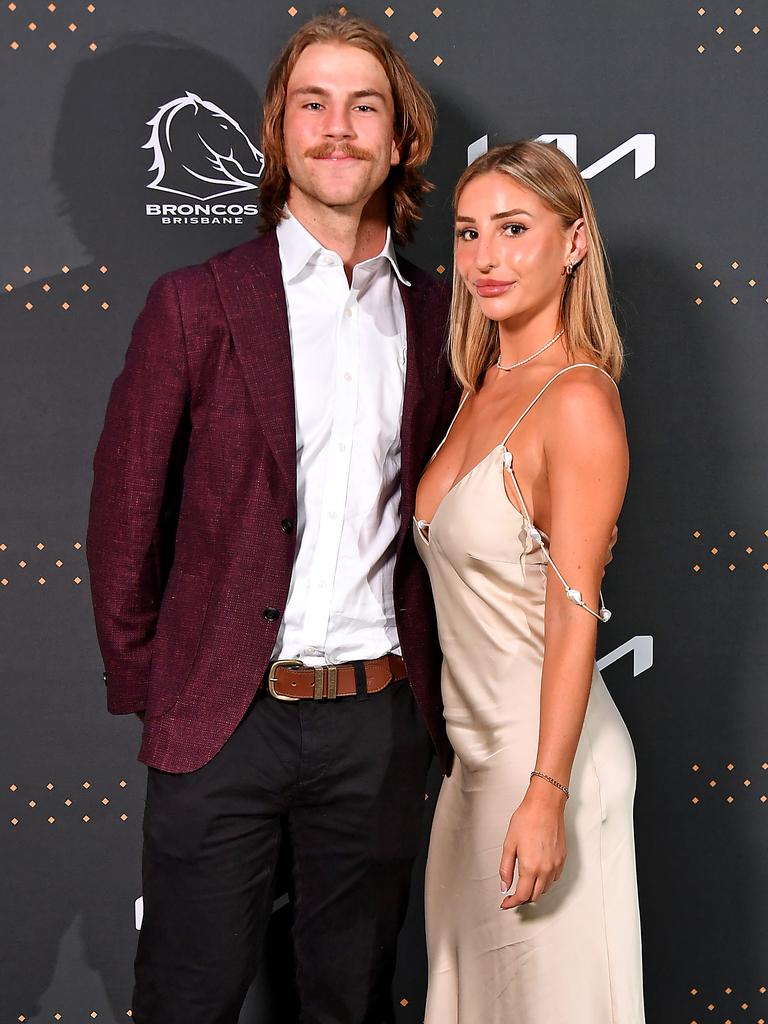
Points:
348	347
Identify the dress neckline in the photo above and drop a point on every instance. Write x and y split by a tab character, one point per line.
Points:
422	524
457	483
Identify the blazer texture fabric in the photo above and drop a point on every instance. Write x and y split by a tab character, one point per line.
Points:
191	534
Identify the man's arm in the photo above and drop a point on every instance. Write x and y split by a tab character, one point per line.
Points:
144	420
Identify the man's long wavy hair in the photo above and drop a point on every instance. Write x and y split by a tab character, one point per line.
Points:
414	120
585	306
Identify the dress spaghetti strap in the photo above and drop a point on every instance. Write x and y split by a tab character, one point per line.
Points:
464	397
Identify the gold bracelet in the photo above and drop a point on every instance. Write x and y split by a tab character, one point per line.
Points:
554	782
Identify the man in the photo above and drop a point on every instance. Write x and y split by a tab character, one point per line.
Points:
257	596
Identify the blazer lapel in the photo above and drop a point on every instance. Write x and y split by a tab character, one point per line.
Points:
250	286
410	435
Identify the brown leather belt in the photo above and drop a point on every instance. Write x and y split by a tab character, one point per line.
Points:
290	679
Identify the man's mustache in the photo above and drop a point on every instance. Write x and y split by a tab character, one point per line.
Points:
338	149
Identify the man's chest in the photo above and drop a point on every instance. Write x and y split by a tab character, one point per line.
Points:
348	357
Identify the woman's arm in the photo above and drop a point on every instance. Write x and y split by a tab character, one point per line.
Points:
587	462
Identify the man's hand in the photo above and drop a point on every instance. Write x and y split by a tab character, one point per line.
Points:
611	545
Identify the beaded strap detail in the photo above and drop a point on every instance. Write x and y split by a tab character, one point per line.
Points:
603	614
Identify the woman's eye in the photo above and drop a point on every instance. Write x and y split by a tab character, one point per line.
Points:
466	234
513	230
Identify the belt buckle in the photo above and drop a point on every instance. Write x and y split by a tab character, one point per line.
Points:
272	678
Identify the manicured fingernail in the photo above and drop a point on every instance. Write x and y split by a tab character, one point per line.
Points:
503	885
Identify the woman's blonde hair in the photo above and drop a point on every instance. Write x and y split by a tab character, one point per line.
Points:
414	120
585	310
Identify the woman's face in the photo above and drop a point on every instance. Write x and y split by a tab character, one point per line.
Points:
511	248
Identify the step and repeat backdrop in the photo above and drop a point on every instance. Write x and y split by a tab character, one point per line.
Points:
661	104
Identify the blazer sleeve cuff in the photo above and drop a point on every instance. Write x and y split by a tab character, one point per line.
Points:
125	702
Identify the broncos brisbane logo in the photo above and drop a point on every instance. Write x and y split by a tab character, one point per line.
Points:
200	151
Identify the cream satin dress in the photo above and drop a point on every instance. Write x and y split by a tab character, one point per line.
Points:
574	956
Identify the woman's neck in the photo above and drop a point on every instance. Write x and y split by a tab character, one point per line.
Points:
520	341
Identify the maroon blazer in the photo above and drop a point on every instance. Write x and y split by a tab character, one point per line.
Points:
191	535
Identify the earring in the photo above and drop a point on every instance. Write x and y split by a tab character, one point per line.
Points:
571	268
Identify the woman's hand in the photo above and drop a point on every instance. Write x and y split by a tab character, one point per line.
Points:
535	840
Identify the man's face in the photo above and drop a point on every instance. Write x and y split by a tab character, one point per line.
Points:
338	126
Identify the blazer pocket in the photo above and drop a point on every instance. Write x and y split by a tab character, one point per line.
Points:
177	639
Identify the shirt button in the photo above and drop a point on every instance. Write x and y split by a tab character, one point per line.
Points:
342	446
328	261
332	515
286	525
271	614
347	312
347	376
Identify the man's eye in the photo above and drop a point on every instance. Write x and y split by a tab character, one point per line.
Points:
364	107
312	106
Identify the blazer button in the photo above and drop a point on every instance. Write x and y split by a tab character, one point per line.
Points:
286	525
271	614
104	676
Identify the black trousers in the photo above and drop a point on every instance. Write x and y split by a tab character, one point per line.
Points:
347	777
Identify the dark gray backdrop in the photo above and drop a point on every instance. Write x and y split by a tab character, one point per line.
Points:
686	242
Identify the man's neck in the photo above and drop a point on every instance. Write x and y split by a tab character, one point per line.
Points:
355	233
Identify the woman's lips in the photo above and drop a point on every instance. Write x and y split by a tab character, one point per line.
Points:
489	288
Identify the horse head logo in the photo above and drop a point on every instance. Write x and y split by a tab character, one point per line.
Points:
200	151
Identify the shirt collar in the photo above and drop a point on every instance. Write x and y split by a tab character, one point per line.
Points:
298	248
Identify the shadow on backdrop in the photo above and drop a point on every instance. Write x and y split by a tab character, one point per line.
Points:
101	171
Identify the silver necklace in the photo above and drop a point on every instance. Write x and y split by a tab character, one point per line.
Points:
527	359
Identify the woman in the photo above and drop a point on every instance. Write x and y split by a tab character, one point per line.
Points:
514	515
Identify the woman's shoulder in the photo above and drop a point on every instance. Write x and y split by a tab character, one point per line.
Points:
584	402
579	385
